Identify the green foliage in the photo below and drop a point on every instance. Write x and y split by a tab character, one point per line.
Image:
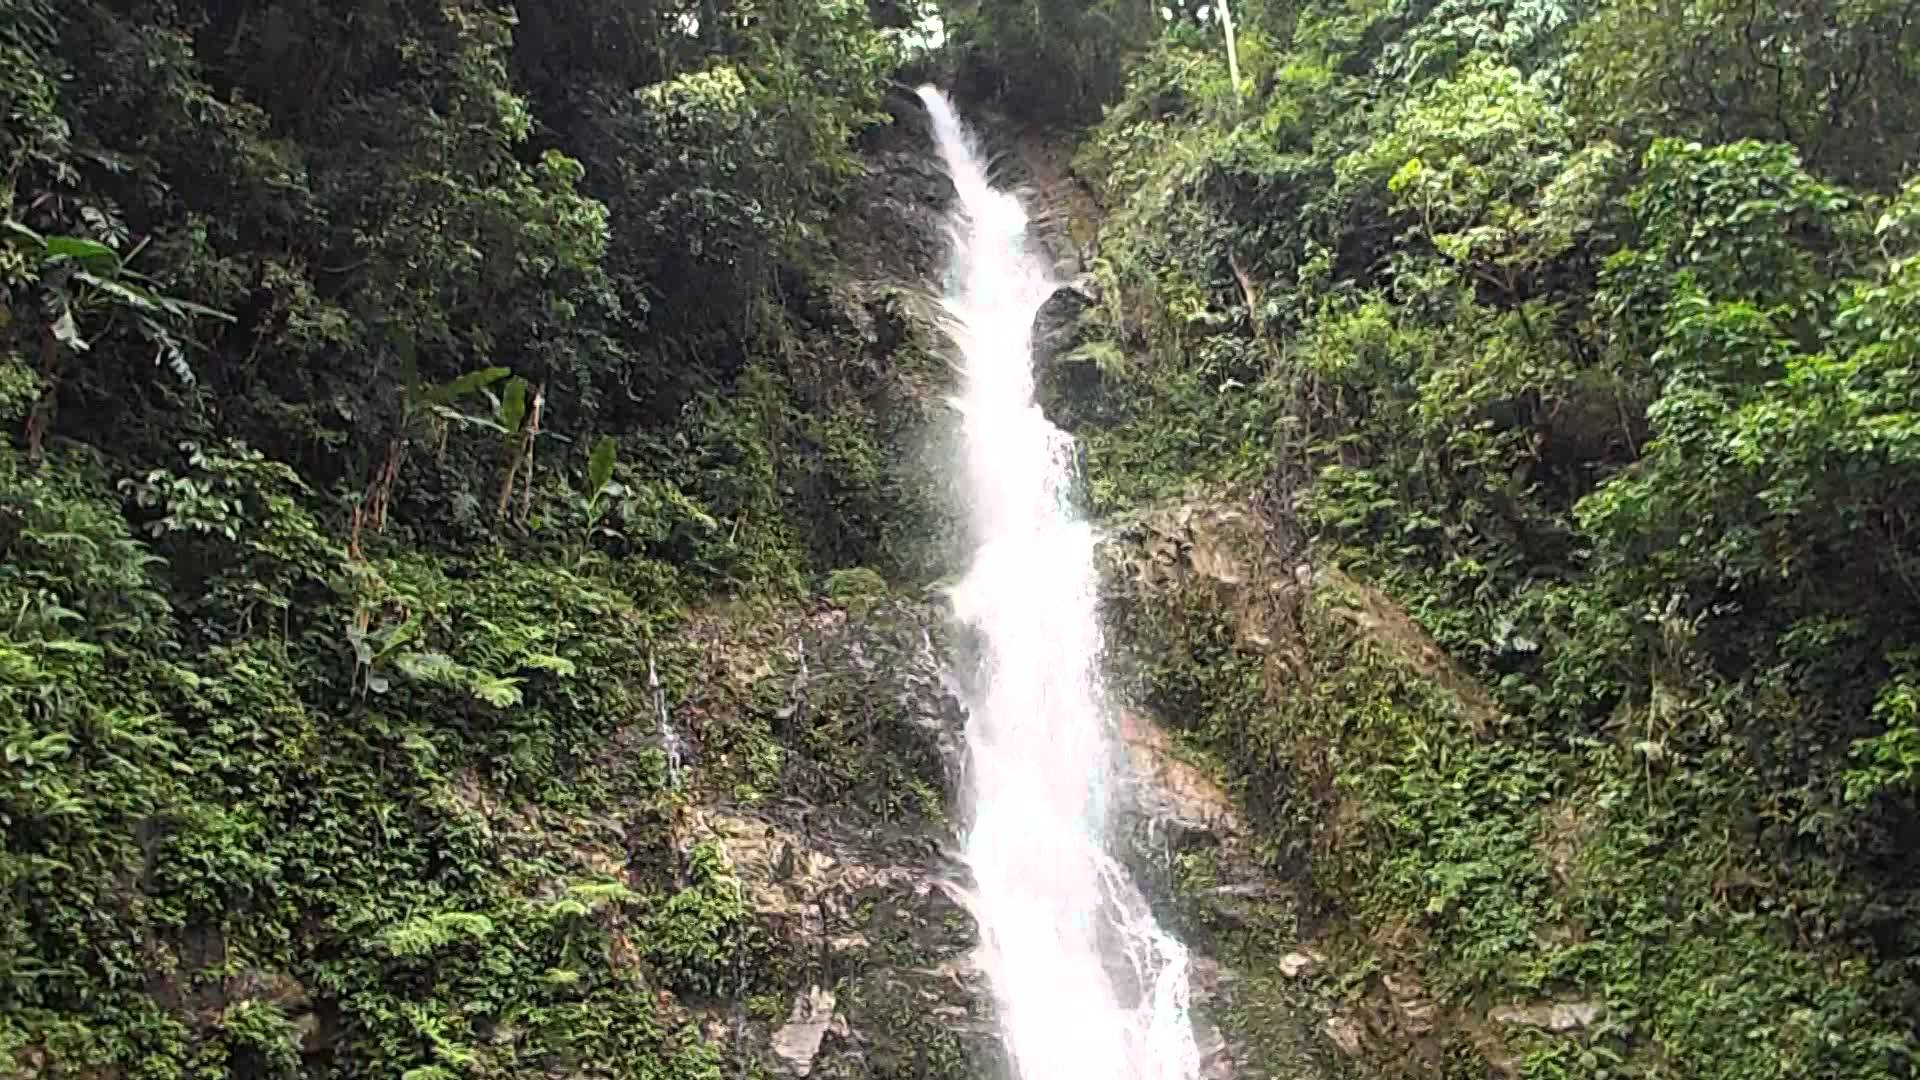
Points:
696	938
425	935
19	389
84	284
312	681
277	819
1581	330
1053	60
1835	79
1889	761
857	588
600	478
1485	163
260	1034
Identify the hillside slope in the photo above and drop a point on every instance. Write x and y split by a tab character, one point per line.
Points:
1559	374
461	539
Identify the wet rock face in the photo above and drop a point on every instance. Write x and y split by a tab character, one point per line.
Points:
1067	380
1174	794
842	847
1186	842
797	1042
876	952
1297	987
895	228
1056	326
183	982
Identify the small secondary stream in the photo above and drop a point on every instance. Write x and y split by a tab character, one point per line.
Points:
1088	987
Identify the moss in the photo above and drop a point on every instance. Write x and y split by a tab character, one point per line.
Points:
857	588
911	1031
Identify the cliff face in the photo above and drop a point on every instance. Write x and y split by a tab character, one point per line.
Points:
1420	812
1221	646
826	742
839	733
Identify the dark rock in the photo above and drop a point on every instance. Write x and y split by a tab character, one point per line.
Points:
894	228
1057	326
889	13
1068	380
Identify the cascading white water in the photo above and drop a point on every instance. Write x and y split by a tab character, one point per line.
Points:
1088	986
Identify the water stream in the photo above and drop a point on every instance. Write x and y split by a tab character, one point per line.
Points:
1087	986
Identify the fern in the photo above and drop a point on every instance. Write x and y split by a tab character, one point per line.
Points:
558	665
427	934
598	894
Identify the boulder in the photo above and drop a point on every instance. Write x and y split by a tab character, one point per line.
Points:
1068	380
1296	964
1057	326
797	1042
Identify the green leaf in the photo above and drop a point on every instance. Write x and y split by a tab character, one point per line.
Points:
147	300
1406	176
513	407
499	693
188	307
469	383
559	665
455	416
600	466
88	253
126	294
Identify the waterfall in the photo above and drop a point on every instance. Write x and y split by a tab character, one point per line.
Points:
670	743
1086	984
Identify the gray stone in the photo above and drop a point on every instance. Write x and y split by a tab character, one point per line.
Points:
1294	964
1216	1057
1345	1033
1412	1007
1557	1016
797	1042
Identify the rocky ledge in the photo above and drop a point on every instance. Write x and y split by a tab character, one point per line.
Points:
1209	628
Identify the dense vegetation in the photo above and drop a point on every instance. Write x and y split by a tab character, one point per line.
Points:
1592	334
390	384
383	384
